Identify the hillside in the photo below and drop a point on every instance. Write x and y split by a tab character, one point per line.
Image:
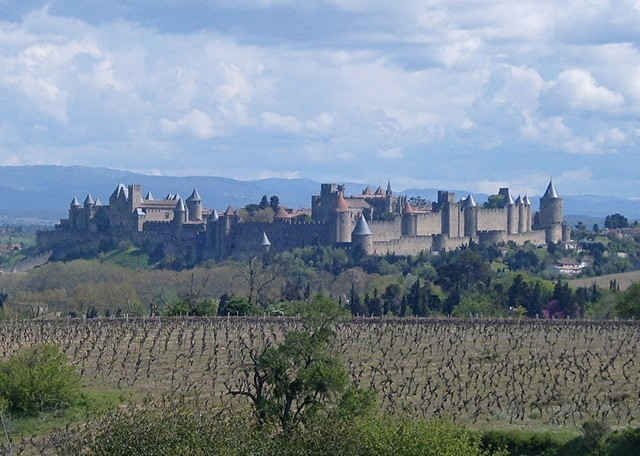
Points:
624	280
40	193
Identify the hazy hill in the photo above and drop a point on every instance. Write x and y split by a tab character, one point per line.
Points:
44	192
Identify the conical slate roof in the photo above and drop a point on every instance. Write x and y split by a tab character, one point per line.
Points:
120	188
379	191
526	201
89	200
149	196
229	211
518	200
470	201
195	196
389	187
180	206
75	202
367	190
551	191
123	192
98	202
265	240
214	215
362	228
341	205
510	199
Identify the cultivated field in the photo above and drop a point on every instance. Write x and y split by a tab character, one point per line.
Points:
493	372
624	280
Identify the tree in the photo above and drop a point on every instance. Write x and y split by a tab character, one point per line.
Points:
523	259
355	303
462	270
391	299
628	302
292	382
3	298
274	202
518	294
259	274
374	304
233	305
416	299
616	220
495	202
38	378
562	303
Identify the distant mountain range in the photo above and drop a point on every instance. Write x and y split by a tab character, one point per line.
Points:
43	193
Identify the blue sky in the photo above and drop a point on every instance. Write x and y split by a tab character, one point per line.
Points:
430	93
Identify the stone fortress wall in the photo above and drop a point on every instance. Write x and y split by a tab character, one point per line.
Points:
379	222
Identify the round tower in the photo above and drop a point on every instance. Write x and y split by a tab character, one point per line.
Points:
362	237
74	209
470	209
522	216
409	220
512	215
89	209
179	213
551	214
342	220
528	217
194	207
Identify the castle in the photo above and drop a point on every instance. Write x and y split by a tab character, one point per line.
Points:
374	222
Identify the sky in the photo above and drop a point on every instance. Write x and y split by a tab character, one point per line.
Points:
469	94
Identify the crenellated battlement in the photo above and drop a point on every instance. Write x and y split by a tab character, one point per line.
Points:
378	221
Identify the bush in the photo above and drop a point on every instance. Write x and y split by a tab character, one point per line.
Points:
37	379
161	432
523	443
622	443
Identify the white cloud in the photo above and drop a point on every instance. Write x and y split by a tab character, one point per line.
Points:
411	81
195	123
581	91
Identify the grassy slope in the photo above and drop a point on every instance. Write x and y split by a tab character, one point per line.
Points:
625	280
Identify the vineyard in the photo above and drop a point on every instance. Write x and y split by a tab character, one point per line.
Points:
496	372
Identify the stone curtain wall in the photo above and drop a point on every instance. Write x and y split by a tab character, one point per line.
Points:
429	223
386	230
404	246
246	237
492	219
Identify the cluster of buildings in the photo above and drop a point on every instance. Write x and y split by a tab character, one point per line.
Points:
377	222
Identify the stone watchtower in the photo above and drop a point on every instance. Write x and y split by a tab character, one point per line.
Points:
551	214
470	208
409	220
194	207
362	237
75	210
179	213
512	211
342	220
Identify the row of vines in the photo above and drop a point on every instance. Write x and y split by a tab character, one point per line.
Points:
470	371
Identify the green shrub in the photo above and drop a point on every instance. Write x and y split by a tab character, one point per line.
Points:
523	443
594	432
37	379
622	443
162	432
